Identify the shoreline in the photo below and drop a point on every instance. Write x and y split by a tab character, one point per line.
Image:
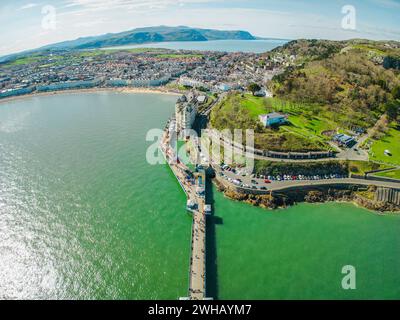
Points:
317	196
143	90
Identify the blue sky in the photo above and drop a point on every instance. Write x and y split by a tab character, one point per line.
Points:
22	28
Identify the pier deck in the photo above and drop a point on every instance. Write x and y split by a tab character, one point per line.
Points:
197	286
197	267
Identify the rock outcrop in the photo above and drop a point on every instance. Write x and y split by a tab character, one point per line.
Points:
319	195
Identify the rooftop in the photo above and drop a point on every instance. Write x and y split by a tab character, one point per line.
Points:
273	115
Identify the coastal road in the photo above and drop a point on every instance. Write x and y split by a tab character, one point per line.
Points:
289	184
348	154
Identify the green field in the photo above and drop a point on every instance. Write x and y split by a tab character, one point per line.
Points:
369	48
24	60
176	86
363	167
394	174
78	55
303	133
255	105
391	142
306	120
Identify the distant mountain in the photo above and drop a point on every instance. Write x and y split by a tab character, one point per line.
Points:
150	35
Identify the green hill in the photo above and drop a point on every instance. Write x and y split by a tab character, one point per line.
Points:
352	80
326	86
151	34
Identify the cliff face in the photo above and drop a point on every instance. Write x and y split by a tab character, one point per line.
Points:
264	201
375	205
310	196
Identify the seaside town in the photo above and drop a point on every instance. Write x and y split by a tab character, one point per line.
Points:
147	156
211	82
144	161
215	71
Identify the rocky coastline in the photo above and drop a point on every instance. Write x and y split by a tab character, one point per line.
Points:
321	195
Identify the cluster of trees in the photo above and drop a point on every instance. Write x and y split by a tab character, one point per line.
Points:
392	108
348	83
308	50
253	88
304	168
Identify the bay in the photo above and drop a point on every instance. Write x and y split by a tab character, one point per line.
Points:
84	216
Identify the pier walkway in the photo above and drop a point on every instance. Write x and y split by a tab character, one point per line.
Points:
197	273
195	192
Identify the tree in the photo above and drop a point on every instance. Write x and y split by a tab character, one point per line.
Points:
392	109
253	88
396	92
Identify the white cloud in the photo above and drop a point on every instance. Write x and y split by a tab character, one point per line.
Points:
28	6
388	3
79	18
131	4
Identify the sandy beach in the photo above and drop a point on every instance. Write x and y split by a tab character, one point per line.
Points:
155	90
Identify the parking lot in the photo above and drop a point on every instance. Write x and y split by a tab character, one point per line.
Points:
240	178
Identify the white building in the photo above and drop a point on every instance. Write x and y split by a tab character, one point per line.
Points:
185	112
202	99
190	82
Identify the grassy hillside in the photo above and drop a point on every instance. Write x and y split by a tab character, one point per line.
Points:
394	174
348	79
390	141
326	86
238	111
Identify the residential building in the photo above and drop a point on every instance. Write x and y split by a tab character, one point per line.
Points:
273	119
185	112
202	99
344	140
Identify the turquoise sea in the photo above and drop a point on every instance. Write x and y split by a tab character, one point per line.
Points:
84	216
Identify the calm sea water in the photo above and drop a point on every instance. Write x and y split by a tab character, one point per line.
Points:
82	215
255	46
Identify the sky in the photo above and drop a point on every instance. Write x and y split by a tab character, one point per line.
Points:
28	24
